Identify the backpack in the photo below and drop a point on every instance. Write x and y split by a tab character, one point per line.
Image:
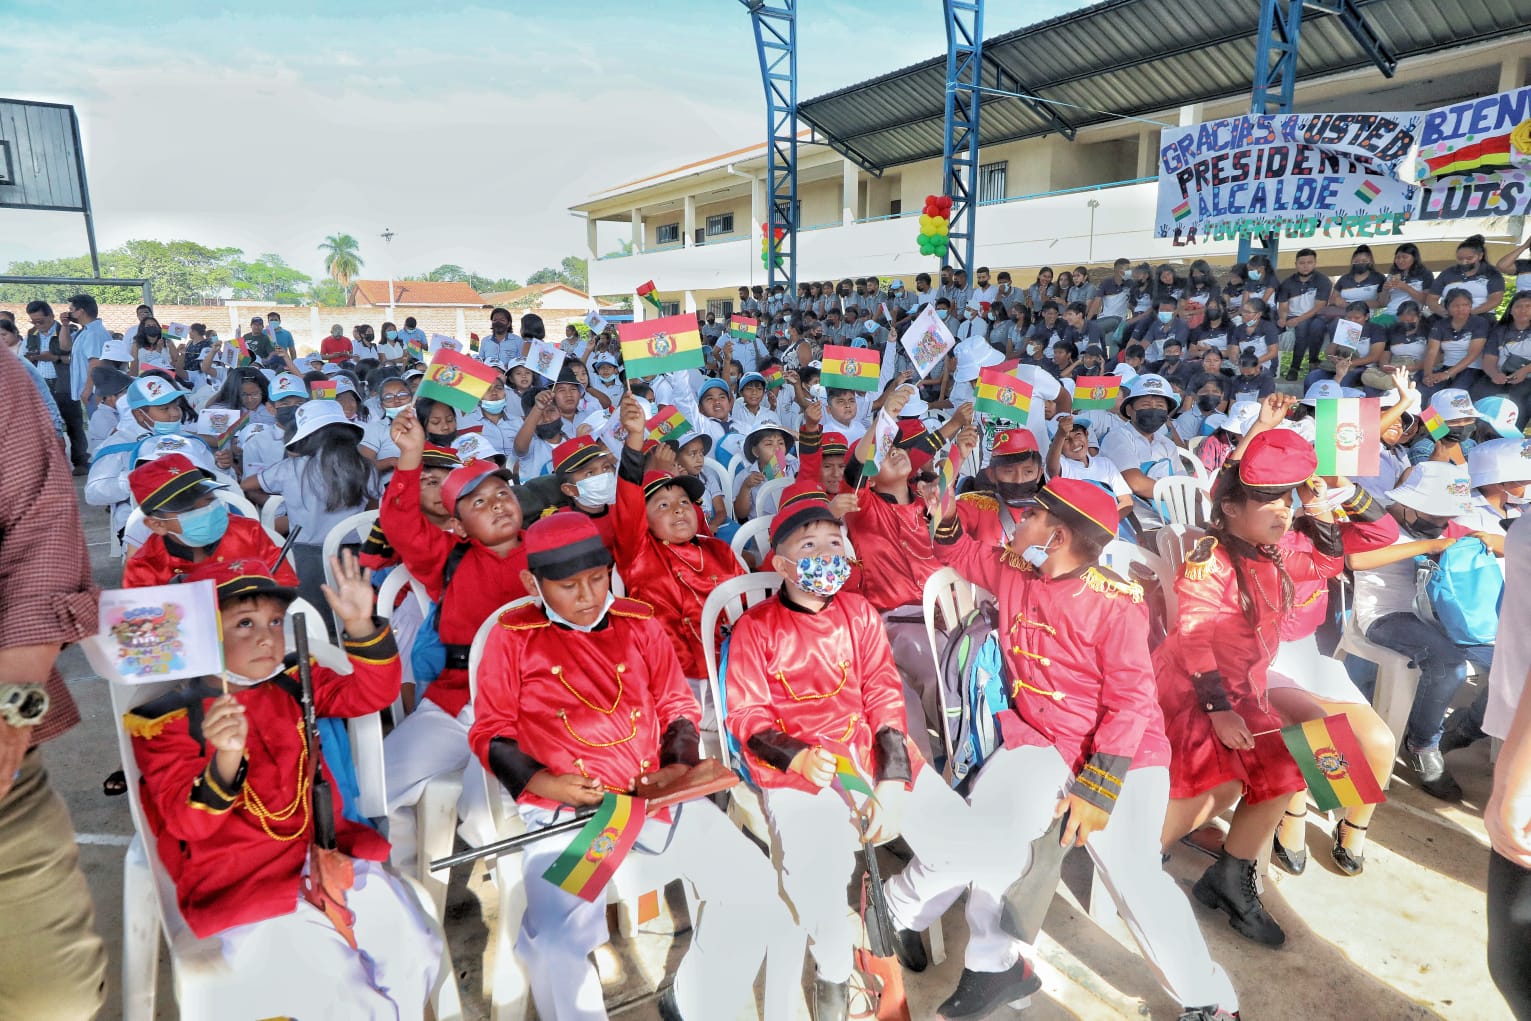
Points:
1463	585
973	683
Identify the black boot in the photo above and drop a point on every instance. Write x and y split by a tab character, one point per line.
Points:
978	993
910	950
1229	885
1208	1014
831	1000
1458	733
668	1010
1434	780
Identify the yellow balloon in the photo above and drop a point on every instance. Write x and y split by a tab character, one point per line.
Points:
940	226
925	223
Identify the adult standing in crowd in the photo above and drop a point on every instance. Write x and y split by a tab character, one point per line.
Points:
52	963
44	349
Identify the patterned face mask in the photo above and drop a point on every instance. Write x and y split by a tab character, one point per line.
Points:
823	576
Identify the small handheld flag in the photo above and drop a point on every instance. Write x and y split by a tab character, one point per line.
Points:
1347	436
1003	396
647	293
661	345
743	327
1092	392
456	379
544	359
775	378
927	341
848	778
668	424
1332	763
587	864
773	467
850	368
1432	421
322	390
416	347
243	347
885	433
946	487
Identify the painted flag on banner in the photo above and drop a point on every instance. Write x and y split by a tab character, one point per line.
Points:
545	359
946	487
647	293
323	390
1181	211
1332	763
1368	191
849	777
927	341
1432	421
661	345
668	424
587	864
456	379
1348	438
1003	396
850	368
161	632
1096	392
743	327
775	378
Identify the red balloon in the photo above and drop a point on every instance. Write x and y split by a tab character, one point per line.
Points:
945	202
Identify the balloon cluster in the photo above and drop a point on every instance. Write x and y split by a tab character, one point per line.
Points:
934	225
769	256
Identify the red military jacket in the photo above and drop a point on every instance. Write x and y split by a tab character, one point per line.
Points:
1371	527
593	703
154	564
236	855
1077	665
674	580
482	581
811	676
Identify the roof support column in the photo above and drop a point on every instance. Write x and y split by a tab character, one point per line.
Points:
850	181
776	46
688	221
959	152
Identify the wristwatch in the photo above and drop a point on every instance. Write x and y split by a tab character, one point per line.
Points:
23	705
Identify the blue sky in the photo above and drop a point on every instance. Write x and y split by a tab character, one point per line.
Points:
468	130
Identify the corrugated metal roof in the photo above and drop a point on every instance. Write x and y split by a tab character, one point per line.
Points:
1132	57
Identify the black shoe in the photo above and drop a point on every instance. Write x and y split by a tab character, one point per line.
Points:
910	950
1430	767
978	993
1293	863
1229	885
1350	864
1456	735
1291	375
81	470
831	1000
668	1011
1209	1014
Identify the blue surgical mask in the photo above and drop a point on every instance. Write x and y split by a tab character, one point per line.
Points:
941	313
165	428
392	412
492	407
391	334
598	490
557	619
1254	276
1165	317
205	525
1036	556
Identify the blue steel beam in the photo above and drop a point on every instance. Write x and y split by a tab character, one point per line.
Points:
1361	31
776	45
959	151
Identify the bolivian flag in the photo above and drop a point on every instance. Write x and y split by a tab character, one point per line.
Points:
1332	763
322	391
1434	424
1096	392
850	368
775	378
848	776
1487	155
1003	396
595	852
647	293
668	424
661	345
454	378
743	327
946	487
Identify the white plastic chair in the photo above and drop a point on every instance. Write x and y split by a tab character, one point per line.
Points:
1120	556
269	512
768	496
725	475
1175	542
1180	500
358	525
1397	680
203	983
387	597
1198	469
752	537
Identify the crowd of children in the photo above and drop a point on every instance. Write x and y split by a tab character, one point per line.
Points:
1135	725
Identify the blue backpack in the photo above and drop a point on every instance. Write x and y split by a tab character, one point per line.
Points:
1464	586
973	680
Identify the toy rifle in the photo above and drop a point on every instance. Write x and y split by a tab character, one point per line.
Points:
292	537
330	873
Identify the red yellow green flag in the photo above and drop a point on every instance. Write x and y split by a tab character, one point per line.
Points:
454	378
1432	421
773	467
743	327
647	293
668	424
661	345
848	776
946	487
322	390
586	865
416	347
1096	392
1003	396
850	368
1332	763
774	376
1347	436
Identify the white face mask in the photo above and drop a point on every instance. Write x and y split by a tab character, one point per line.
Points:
598	490
249	682
556	618
1036	556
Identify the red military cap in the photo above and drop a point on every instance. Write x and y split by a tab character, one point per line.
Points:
833	444
434	456
1084	499
1013	442
561	545
802	503
170	484
654	481
1278	459
572	455
911	432
236	578
466	479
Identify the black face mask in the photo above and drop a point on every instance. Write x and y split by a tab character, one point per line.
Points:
1013	494
1427	529
1360	269
1299	412
1466	268
152	333
286	416
1207	403
547	431
1150	420
1458	433
440	439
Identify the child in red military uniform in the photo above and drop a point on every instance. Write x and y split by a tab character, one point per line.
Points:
191	526
1083	734
810	665
469	570
226	795
581	695
587	474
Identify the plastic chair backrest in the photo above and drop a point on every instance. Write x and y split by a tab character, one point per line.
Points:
475	656
1198	469
358	524
388	592
269	512
751	534
1181	500
618	586
1175	542
725	474
768	497
324	652
730	600
1119	555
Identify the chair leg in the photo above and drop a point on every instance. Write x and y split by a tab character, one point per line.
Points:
937	942
140	936
436	822
509	991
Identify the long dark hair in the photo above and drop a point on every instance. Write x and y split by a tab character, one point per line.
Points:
1229	488
230	395
336	467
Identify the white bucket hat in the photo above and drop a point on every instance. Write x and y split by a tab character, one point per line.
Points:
315	415
1437	488
1241	416
1454	405
1323	390
1499	461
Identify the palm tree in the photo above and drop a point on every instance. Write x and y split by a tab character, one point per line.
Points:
340	258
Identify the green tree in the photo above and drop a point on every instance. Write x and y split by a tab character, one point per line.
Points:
181	272
572	271
327	293
76	266
270	279
341	259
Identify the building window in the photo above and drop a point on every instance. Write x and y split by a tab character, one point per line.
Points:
669	308
720	307
991	182
667	233
720	223
895	207
701	236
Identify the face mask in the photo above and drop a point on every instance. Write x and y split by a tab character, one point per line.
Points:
557	619
164	428
1013	494
1427	529
941	313
1360	269
440	439
598	490
1165	317
392	413
1150	420
242	681
286	416
1207	403
205	525
493	407
550	430
391	334
1036	556
276	324
1466	268
823	576
152	333
1238	320
1254	276
1458	433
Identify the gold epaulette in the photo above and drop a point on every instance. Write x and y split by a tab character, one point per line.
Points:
983	501
1200	563
547	511
524	618
145	728
1111	584
637	608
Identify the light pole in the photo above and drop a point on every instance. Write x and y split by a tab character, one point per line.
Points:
1094	204
387	237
